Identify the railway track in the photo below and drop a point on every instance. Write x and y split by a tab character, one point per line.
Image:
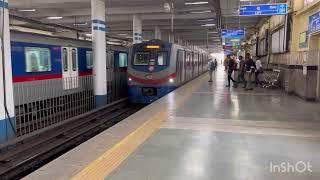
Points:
27	155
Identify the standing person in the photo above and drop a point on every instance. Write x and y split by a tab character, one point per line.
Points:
259	70
225	63
215	63
211	68
231	66
241	73
250	69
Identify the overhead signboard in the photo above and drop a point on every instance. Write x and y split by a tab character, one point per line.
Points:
263	9
314	23
233	33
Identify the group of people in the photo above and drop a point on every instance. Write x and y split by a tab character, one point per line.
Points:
246	68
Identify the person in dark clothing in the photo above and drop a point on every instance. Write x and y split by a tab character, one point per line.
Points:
230	65
250	69
241	72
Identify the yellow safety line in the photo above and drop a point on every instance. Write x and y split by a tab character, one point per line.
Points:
112	158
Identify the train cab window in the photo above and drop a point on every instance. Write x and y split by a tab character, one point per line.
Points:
74	59
123	60
37	59
89	59
141	58
65	59
162	58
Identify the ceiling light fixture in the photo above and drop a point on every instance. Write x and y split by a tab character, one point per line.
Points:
208	25
205	20
200	12
196	3
54	17
88	34
26	10
122	34
80	24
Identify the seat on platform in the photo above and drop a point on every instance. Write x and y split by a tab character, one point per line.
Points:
271	78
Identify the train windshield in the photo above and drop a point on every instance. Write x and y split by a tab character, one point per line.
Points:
162	58
141	58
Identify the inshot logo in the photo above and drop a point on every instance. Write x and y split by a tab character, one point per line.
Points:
287	167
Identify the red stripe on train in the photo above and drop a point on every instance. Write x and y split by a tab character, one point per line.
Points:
36	77
27	78
152	81
85	73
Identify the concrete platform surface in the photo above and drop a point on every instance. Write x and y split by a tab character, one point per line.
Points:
231	134
203	131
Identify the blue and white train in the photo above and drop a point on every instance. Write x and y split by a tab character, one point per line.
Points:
53	80
156	68
39	59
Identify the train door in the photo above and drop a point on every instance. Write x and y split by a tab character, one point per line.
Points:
180	66
197	64
70	70
111	85
201	63
192	65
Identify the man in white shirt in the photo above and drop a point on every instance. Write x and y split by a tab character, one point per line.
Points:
259	70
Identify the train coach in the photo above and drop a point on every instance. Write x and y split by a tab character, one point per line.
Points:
156	68
53	79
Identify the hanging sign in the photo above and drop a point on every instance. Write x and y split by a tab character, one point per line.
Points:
233	33
263	9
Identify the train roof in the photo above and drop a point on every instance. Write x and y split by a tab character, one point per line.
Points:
56	40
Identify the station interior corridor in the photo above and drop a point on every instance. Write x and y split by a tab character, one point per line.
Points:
228	134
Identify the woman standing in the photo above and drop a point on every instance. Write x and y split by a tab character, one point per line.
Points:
259	70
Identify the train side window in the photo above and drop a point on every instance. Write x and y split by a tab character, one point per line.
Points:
123	60
89	59
65	59
37	59
74	59
162	58
141	58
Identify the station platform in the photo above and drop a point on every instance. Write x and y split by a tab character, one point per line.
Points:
202	131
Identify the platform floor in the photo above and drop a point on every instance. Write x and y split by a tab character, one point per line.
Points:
205	131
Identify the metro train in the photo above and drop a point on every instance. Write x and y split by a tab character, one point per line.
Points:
53	76
156	68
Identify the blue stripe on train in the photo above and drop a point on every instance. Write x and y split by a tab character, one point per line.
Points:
135	96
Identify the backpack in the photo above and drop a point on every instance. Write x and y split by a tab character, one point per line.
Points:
211	65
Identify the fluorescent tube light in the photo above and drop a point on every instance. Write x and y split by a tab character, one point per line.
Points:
54	17
196	3
27	10
200	12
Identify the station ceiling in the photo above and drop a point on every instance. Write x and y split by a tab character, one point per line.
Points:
189	20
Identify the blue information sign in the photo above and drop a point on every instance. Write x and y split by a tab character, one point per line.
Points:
314	23
263	9
233	33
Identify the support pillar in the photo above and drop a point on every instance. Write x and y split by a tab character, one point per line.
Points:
98	13
137	29
180	41
157	33
171	38
7	116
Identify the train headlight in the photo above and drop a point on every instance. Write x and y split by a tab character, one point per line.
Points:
130	79
171	80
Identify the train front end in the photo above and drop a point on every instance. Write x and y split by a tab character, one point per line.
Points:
151	71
